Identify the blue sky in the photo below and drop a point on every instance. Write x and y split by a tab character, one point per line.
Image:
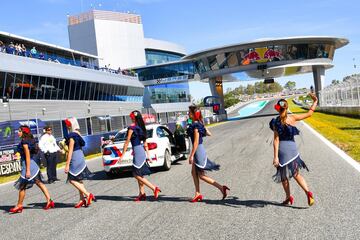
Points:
201	24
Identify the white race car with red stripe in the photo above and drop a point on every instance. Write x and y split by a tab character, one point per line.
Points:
162	147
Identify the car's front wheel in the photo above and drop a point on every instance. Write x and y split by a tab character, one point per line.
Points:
167	160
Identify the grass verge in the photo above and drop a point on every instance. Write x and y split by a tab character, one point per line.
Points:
344	132
14	177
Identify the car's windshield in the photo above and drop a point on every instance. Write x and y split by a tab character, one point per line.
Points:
121	136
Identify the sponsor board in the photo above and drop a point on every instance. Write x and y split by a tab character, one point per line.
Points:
10	167
9	162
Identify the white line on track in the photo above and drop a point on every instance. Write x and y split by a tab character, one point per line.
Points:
337	150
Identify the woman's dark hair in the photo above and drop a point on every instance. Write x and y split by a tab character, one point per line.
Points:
139	122
196	113
27	135
26	132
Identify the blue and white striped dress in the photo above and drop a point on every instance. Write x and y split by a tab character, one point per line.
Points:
35	174
201	160
140	166
289	157
78	169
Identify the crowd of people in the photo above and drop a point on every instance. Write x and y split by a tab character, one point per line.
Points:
287	160
19	49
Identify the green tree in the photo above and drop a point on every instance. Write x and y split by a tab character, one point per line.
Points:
250	89
290	85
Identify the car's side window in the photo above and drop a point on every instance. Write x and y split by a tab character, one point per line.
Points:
166	132
160	133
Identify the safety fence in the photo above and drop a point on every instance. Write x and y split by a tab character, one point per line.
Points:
345	93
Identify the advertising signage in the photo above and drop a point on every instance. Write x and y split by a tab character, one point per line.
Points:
9	157
9	162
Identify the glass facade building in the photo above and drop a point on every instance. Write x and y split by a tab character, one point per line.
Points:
26	87
263	55
169	93
159	91
157	57
166	71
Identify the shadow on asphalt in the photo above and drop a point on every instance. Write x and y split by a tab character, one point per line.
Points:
57	205
236	202
123	198
229	202
7	208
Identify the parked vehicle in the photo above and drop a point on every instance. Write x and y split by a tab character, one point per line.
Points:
162	148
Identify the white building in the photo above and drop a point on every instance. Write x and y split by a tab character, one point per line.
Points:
118	39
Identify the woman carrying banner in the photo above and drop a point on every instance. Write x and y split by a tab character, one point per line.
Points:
30	171
137	136
76	167
286	156
198	158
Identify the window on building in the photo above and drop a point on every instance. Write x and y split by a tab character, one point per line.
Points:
35	91
2	84
26	87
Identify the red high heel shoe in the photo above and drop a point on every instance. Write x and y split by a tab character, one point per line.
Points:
49	205
16	209
289	200
224	188
156	192
90	198
198	198
80	204
141	197
310	198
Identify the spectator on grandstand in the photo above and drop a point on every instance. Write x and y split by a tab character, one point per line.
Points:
118	71
2	47
18	50
41	56
11	48
33	52
23	49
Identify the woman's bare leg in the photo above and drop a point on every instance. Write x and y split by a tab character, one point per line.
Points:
210	181
141	187
286	187
301	181
146	182
196	179
21	198
80	186
81	195
44	190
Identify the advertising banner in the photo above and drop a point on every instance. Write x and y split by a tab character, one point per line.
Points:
9	157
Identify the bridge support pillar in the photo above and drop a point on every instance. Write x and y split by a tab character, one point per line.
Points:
319	80
216	88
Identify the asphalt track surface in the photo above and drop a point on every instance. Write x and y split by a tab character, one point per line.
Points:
252	210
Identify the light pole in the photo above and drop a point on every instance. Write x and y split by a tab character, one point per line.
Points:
6	101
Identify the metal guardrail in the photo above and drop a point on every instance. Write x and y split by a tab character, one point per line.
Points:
345	93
